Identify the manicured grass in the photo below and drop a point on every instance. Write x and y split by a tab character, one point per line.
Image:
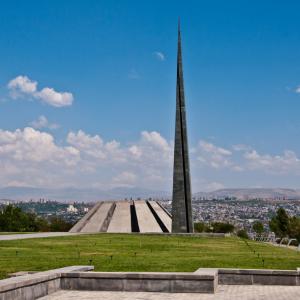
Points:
125	252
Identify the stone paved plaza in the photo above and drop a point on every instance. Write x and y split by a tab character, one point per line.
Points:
225	292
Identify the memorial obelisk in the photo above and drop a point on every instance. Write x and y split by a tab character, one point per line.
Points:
182	219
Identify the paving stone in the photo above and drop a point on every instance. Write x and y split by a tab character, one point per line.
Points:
224	292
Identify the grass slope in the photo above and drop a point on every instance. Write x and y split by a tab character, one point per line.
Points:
133	252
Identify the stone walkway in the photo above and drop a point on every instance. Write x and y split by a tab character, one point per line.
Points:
225	292
9	237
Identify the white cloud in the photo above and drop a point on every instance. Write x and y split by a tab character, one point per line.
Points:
211	148
31	157
159	55
127	179
155	139
214	156
42	122
53	98
22	86
297	90
33	146
86	144
287	162
246	159
241	147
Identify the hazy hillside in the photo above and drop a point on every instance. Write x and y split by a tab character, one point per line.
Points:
77	194
253	193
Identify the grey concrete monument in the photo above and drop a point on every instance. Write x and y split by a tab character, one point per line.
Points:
182	219
125	217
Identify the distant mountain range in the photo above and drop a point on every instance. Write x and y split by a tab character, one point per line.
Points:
93	194
77	194
252	193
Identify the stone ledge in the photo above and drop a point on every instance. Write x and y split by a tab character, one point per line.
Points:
258	272
32	286
142	275
257	276
140	282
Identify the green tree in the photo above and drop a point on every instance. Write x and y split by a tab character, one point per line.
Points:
294	228
12	218
199	226
242	233
58	224
258	227
280	223
220	227
42	224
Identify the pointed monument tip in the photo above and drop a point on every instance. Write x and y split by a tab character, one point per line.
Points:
179	33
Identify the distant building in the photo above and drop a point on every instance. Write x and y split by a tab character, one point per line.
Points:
72	209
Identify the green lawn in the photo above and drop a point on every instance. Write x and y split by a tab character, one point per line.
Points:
125	252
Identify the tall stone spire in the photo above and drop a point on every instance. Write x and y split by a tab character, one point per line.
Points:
182	219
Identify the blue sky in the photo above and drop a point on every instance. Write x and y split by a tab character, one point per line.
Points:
117	61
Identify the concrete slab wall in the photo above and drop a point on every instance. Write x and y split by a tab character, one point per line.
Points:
36	285
165	218
140	282
82	222
125	216
97	220
121	221
32	291
256	276
108	218
146	220
261	277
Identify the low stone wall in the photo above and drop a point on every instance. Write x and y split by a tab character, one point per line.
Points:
206	282
262	277
256	276
33	286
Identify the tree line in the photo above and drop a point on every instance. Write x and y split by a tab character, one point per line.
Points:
281	224
13	219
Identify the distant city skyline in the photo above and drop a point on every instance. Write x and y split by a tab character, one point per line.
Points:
87	93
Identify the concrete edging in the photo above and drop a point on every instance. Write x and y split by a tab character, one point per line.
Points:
146	282
257	276
203	280
33	286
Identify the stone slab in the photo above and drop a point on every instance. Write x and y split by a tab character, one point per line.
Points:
257	276
133	282
146	220
33	286
97	220
121	220
224	292
82	222
165	218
